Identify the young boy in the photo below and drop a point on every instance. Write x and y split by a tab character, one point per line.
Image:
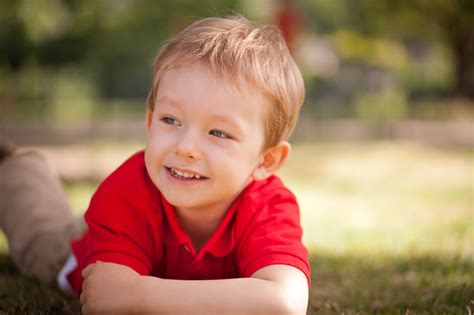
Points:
198	222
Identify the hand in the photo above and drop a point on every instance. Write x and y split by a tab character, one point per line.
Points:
108	288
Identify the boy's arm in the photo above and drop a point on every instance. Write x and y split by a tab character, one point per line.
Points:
275	289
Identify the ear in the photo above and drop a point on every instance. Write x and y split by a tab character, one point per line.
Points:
272	160
148	119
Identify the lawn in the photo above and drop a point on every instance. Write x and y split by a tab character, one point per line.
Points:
389	227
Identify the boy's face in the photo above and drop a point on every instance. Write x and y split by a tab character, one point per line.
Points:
205	139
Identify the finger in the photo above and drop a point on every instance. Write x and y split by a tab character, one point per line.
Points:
82	298
84	310
83	286
86	271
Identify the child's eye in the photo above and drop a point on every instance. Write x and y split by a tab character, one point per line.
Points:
219	134
169	121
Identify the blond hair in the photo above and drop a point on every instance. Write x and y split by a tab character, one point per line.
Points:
234	48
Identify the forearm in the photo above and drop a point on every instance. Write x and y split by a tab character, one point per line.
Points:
111	288
229	296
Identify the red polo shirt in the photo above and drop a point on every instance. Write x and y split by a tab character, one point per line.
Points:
131	223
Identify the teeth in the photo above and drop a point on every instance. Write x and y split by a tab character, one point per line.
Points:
186	175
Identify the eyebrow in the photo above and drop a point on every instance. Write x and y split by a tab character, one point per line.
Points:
167	100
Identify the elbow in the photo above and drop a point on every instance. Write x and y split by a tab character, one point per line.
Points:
289	289
293	304
295	308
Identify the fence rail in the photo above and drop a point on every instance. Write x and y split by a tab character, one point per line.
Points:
458	133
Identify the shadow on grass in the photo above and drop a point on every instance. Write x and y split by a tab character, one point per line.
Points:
21	295
349	284
361	284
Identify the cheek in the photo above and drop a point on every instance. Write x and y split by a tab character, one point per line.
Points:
150	161
234	165
154	153
158	142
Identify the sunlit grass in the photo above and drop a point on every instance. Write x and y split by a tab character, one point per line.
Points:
384	196
79	194
389	225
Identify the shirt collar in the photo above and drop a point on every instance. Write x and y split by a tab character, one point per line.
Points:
221	242
173	234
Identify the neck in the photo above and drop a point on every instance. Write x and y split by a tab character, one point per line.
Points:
200	224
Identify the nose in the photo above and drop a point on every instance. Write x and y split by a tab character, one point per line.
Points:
187	145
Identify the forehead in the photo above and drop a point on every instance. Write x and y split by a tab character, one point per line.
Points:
195	84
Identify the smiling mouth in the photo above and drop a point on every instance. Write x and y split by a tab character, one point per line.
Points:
185	175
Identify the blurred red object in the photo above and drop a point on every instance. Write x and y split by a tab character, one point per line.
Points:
287	20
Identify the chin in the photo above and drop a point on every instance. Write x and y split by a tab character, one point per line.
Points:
179	202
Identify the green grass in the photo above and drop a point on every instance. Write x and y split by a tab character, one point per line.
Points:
389	227
20	295
391	284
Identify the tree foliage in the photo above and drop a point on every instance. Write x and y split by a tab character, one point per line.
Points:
411	22
51	50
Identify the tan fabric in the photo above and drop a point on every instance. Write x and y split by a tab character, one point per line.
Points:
36	216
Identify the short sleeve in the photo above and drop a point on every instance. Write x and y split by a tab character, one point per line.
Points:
122	230
272	235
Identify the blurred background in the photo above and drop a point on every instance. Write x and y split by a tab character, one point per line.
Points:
383	154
